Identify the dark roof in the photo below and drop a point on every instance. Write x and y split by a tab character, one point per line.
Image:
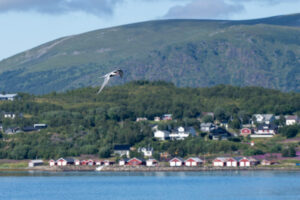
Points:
29	129
266	127
220	131
122	147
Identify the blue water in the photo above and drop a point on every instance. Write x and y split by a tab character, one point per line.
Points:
239	185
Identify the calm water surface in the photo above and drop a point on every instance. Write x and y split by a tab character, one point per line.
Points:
253	185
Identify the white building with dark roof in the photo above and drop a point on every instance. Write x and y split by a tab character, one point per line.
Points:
8	97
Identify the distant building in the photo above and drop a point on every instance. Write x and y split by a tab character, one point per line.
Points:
40	126
219	162
151	163
181	133
139	119
65	161
207	127
291	120
52	162
8	97
9	115
147	151
245	132
122	150
208	114
264	118
219	134
193	161
123	162
167	117
34	163
29	129
156	119
161	135
176	162
14	130
265	130
136	162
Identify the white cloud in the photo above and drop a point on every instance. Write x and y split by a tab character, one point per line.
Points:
95	7
211	9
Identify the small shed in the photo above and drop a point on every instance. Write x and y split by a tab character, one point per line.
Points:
52	163
34	163
136	162
176	162
77	162
231	162
219	162
193	161
151	162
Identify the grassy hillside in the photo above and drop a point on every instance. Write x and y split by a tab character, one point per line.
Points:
262	52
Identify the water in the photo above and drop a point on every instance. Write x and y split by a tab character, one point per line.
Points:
234	185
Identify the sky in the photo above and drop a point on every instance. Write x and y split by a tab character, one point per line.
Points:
25	24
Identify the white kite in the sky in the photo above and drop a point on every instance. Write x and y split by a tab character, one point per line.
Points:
106	77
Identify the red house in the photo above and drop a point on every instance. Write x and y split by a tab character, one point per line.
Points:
245	132
84	162
135	162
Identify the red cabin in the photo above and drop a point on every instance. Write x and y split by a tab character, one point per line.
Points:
135	162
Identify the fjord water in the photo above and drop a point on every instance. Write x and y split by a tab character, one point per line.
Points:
241	185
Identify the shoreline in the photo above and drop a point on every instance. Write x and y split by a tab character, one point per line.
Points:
146	169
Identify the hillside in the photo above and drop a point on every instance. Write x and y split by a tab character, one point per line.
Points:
261	52
81	122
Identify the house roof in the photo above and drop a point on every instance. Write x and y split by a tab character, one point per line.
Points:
266	117
140	159
152	159
178	158
122	147
29	129
206	124
266	127
195	159
291	117
8	95
220	131
222	159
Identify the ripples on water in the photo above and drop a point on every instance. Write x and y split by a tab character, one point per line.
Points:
239	185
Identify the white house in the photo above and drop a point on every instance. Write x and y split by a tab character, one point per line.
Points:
264	118
147	151
167	117
176	162
181	133
122	150
77	162
8	97
9	115
139	119
161	135
207	127
34	163
123	162
151	162
193	161
291	120
52	163
156	119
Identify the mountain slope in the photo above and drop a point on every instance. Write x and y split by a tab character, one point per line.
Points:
262	52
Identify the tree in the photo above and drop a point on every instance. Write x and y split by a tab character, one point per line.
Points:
207	119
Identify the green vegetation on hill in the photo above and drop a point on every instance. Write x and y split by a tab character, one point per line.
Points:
194	53
81	122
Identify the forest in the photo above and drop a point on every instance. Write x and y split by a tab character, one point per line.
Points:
81	122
